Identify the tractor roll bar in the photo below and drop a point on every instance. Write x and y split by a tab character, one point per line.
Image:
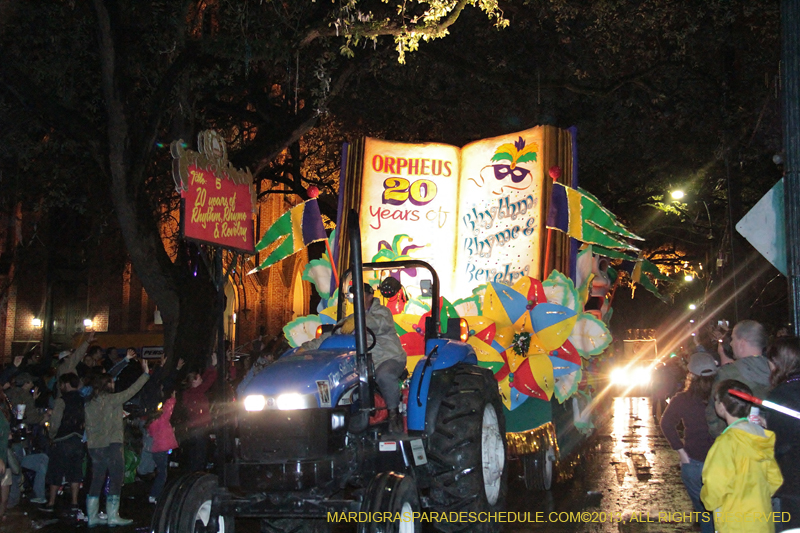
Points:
392	265
362	361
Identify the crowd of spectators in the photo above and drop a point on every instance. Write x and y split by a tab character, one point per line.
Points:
733	457
81	421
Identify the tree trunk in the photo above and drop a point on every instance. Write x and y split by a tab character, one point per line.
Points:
186	301
196	327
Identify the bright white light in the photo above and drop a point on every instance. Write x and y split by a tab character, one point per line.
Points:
337	421
692	307
688	277
677	195
234	318
691	322
288	402
619	376
87	322
641	376
36	322
254	402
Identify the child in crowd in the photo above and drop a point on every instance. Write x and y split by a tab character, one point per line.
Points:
160	429
740	474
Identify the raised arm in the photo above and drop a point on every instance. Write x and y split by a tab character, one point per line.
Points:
121	397
77	356
209	377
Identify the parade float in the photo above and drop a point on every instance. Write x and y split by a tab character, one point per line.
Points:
515	243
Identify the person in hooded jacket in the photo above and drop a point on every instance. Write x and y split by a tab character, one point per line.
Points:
740	474
784	360
748	340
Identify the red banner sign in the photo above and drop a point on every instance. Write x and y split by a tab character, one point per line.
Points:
217	198
218	211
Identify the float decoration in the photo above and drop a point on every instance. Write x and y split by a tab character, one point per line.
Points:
293	231
581	216
302	329
470	306
319	273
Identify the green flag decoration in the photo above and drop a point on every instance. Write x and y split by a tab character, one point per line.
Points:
294	230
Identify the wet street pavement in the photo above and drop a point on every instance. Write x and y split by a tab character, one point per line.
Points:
627	475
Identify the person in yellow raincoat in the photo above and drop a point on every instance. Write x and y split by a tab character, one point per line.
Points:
740	474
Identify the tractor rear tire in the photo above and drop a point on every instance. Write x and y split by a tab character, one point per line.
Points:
185	507
537	469
392	493
467	450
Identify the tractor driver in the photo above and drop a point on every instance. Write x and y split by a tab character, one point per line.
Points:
388	355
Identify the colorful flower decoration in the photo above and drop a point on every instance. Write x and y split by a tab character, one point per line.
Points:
590	336
529	329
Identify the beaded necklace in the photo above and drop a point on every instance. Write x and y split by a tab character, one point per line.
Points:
743	419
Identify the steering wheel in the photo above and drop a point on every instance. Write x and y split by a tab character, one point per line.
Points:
369	332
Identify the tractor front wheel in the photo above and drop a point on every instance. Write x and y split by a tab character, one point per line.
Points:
185	507
393	495
467	450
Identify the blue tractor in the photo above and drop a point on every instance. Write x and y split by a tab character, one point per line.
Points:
305	451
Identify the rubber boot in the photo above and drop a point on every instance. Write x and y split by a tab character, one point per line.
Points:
395	422
92	509
112	510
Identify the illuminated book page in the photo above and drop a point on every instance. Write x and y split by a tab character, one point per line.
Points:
499	209
411	190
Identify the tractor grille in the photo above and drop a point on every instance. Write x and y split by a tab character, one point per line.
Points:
272	435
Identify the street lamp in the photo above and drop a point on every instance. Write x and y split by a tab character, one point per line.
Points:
692	307
677	195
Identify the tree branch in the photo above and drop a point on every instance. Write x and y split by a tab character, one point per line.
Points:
159	102
46	107
304	127
390	29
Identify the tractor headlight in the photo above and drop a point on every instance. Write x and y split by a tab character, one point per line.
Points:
292	401
254	402
337	421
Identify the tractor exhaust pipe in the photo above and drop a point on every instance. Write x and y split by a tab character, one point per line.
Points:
362	361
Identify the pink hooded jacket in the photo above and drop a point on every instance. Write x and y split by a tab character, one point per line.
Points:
161	429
